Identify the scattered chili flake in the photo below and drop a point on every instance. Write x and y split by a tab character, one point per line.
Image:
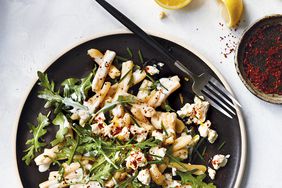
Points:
229	41
262	60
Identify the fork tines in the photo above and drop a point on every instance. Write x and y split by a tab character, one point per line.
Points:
220	98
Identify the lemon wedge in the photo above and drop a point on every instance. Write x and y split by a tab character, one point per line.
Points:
173	4
232	11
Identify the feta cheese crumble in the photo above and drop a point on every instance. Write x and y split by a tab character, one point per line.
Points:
139	132
219	161
158	135
211	173
212	136
205	131
160	152
135	159
152	70
144	177
196	112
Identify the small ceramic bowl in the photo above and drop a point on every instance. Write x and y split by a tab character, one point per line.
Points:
268	20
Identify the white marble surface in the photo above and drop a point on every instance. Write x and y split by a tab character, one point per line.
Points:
34	32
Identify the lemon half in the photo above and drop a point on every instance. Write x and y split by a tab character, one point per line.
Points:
173	4
232	11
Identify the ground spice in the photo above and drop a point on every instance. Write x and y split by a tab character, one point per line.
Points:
262	59
229	40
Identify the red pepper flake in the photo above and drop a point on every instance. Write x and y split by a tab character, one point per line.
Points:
117	130
262	59
100	125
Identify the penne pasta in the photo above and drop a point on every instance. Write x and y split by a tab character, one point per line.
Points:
181	142
156	175
98	58
103	71
183	167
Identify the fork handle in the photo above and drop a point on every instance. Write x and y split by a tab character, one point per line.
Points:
144	36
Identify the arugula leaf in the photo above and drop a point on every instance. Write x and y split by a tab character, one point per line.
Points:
75	105
194	181
69	85
44	81
77	89
35	143
61	121
102	173
55	99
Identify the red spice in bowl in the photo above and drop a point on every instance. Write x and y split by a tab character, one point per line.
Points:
262	60
258	59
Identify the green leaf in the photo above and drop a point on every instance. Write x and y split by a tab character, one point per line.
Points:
75	105
44	81
102	173
63	124
49	96
194	181
36	142
77	89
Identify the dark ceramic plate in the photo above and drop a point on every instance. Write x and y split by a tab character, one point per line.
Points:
76	63
266	21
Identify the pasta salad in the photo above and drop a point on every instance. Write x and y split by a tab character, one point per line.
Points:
108	135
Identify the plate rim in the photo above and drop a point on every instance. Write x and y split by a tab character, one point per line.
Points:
169	37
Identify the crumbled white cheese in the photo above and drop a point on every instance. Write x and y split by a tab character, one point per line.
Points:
212	173
152	70
158	135
160	152
160	64
186	110
203	130
201	109
219	161
135	159
139	132
144	177
196	112
118	111
212	136
97	128
100	117
107	130
170	183
173	171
